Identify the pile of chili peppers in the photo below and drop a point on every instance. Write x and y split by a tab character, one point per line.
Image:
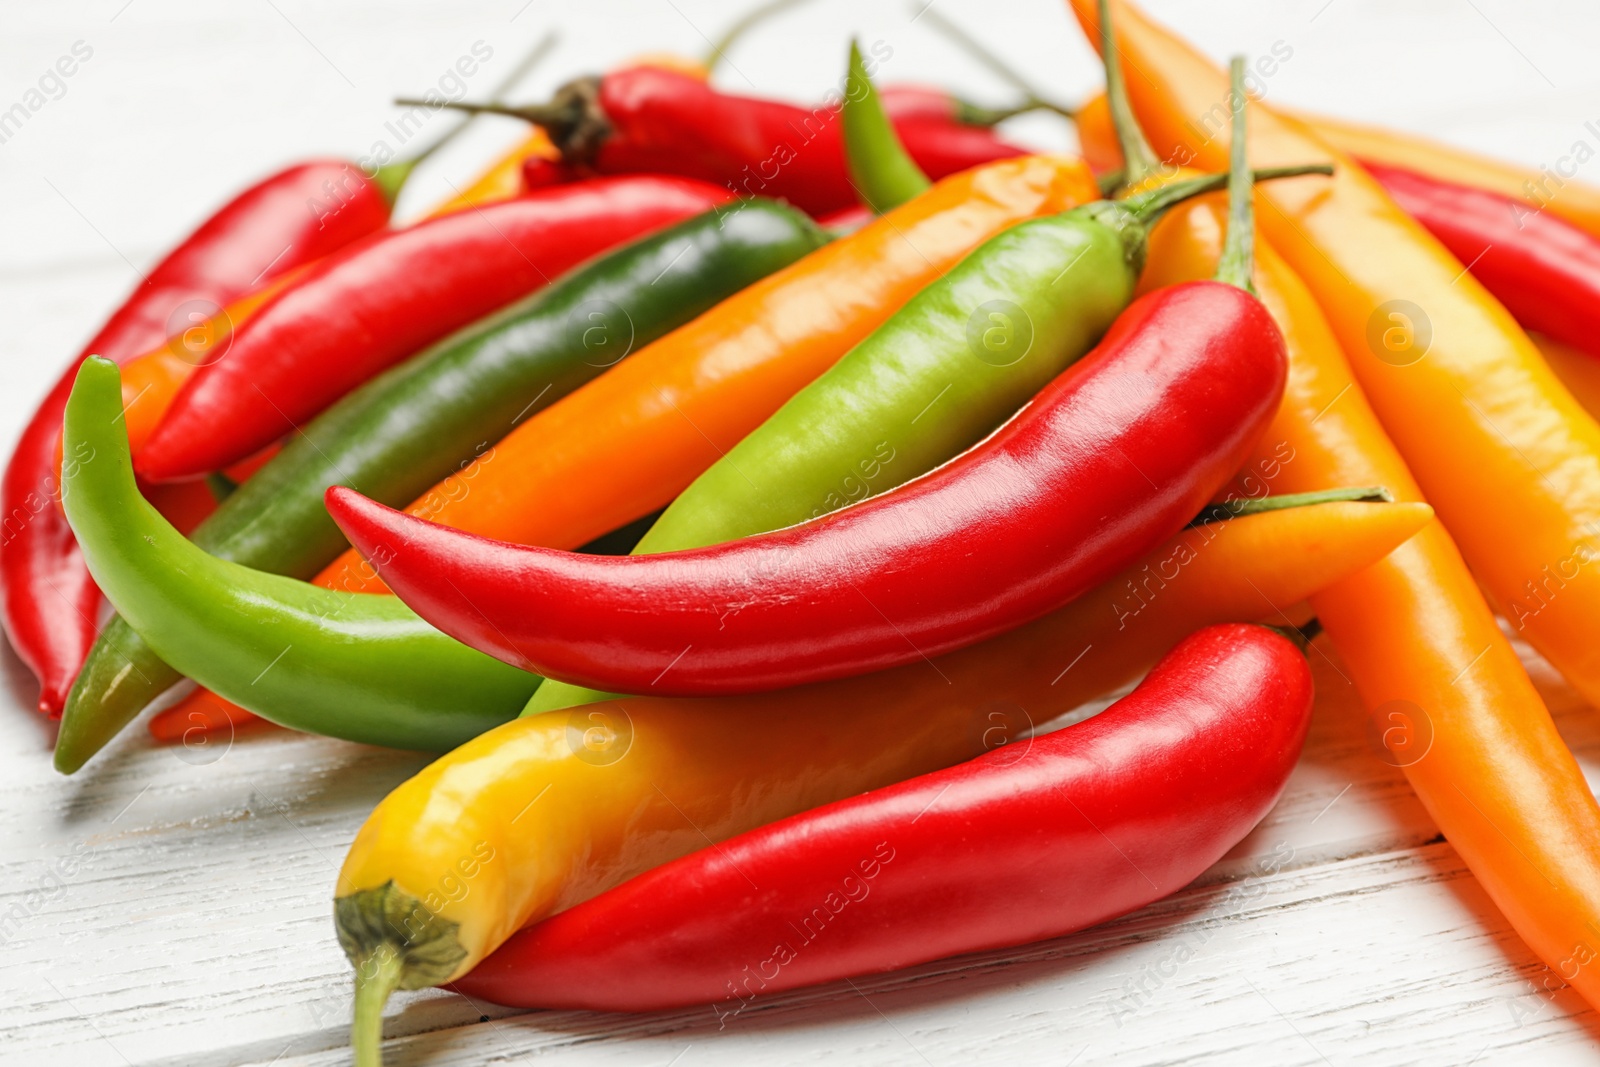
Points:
742	472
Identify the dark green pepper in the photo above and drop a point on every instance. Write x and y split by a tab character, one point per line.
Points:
403	431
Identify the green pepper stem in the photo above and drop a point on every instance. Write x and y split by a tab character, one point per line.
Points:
883	173
391	177
377	976
1230	509
1236	265
1151	205
1033	99
1138	158
743	25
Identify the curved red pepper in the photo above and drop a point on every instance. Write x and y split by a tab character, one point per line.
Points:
1116	454
661	121
1545	270
1036	839
289	219
373	304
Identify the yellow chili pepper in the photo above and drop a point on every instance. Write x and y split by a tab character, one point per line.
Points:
549	810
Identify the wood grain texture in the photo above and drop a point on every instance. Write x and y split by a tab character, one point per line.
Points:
172	906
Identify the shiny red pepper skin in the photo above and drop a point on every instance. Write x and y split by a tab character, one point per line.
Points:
666	122
377	302
289	219
1033	840
1116	454
1545	270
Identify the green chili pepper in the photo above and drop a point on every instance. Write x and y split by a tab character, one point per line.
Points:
407	429
351	665
958	359
883	172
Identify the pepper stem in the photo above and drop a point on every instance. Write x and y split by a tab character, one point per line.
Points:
743	25
391	177
883	173
1033	99
1138	158
377	975
1151	205
1236	265
394	942
1230	509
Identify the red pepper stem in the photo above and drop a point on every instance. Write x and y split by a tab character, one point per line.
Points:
549	115
1138	158
1237	262
391	177
743	25
1034	100
1230	509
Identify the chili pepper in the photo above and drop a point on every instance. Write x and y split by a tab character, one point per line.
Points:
649	119
370	306
1545	270
1420	643
284	646
50	602
1082	825
438	411
883	175
1087	477
535	857
625	445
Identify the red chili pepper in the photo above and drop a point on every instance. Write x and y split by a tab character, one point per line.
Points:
646	119
1036	839
295	216
1116	454
1544	269
371	305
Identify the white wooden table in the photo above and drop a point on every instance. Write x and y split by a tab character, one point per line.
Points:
171	906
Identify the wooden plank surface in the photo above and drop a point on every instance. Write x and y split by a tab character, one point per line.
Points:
171	906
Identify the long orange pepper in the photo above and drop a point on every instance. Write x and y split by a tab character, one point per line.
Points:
629	441
1507	457
1443	684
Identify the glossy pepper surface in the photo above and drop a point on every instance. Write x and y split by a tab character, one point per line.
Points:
361	311
49	600
1545	270
443	409
357	667
547	856
1414	631
626	444
1030	841
1110	459
646	119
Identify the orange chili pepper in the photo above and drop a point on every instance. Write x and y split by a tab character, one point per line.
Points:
628	442
1445	689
